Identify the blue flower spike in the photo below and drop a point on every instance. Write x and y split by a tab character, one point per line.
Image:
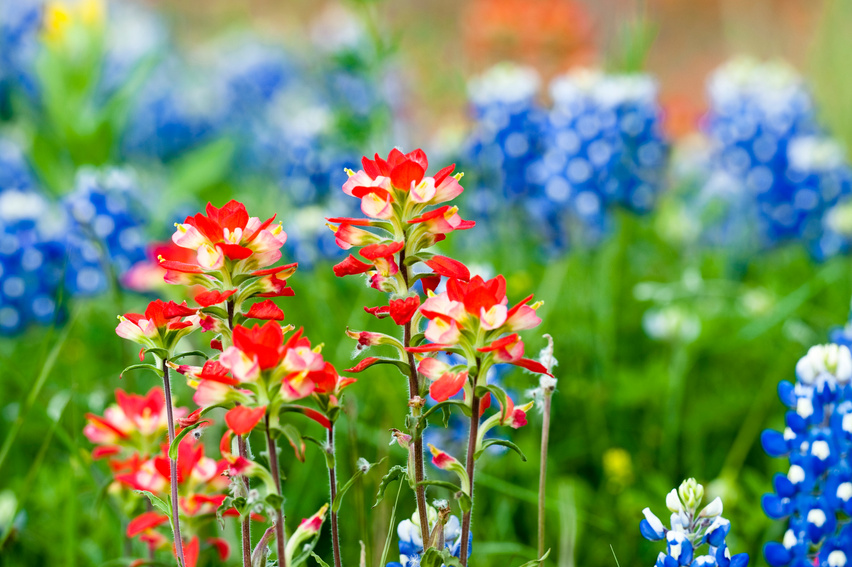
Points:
692	527
816	493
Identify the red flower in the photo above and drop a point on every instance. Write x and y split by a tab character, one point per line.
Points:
266	310
384	250
351	266
213	297
449	268
145	522
242	419
161	326
402	310
262	343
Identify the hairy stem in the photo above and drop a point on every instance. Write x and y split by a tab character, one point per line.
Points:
173	481
414	392
332	483
542	475
280	537
245	526
471	462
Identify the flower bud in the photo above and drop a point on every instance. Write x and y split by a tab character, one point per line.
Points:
691	493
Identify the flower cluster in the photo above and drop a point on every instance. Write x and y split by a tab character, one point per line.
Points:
604	147
769	162
256	373
599	146
816	491
691	528
471	318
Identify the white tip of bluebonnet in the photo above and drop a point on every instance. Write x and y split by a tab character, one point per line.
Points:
712	510
673	501
805	407
824	362
820	449
836	559
844	491
790	540
796	474
653	521
816	517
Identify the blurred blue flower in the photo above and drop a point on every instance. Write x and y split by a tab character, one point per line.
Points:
604	148
106	229
769	163
817	489
20	22
32	248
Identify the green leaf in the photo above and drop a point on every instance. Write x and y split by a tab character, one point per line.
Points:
445	404
143	366
431	558
391	524
173	447
503	443
202	168
335	505
449	559
539	560
440	484
397	472
401	365
199	353
274	500
216	312
498	393
319	560
157	351
156	502
296	441
323	447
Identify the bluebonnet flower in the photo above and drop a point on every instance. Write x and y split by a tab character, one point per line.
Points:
818	484
691	528
779	170
604	147
174	112
105	234
32	250
20	22
411	541
507	134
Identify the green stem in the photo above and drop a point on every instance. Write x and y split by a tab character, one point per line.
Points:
332	484
173	480
280	537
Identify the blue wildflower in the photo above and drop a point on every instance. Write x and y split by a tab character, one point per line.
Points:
818	484
411	541
106	232
691	528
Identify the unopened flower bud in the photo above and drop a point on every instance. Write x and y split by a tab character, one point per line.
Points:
691	493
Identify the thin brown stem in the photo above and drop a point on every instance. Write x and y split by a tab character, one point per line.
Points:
471	462
245	525
332	483
414	392
542	475
280	537
173	480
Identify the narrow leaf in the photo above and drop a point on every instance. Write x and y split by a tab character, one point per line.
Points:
173	447
335	506
539	560
503	443
198	353
397	472
319	560
143	366
157	502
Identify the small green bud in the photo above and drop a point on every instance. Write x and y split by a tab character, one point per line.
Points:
691	493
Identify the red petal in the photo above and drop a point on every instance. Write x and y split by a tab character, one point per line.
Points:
347	220
213	297
266	310
447	386
235	251
242	419
532	366
449	268
406	173
181	267
380	312
428	348
145	521
402	310
370	167
275	270
518	305
364	364
190	552
443	174
351	266
381	250
105	451
262	227
499	343
222	547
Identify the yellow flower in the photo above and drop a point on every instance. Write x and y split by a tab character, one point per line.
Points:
62	15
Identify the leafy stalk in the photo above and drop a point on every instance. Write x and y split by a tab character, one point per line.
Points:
245	526
413	396
471	462
173	482
332	483
280	537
